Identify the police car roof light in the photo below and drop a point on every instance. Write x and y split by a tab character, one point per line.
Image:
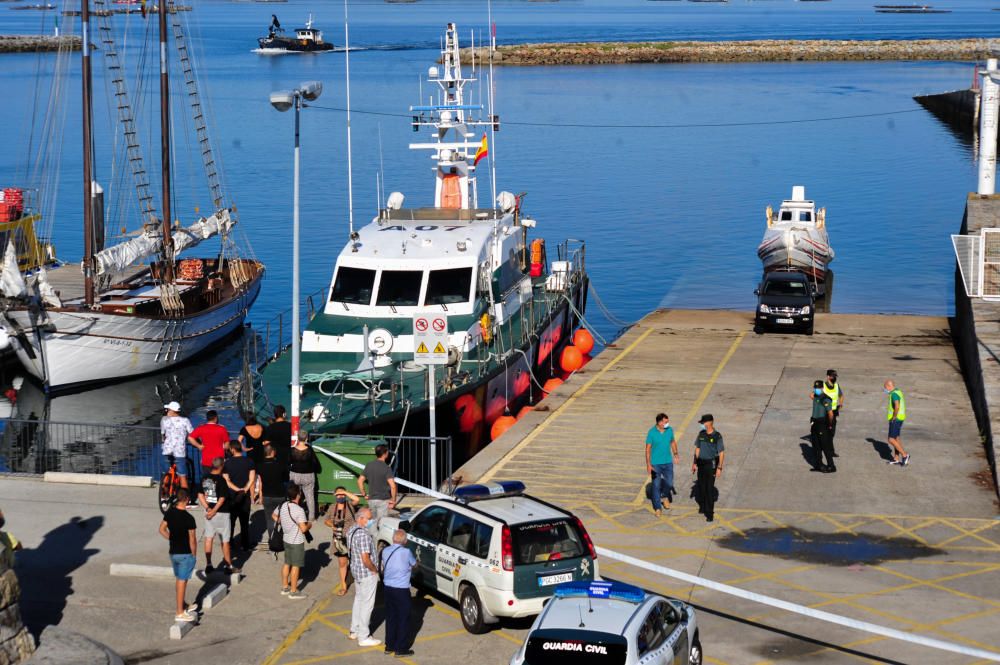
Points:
597	589
489	490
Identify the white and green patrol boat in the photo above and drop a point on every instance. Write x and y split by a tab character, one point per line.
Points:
508	310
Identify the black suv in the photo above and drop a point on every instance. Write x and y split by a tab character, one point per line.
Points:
785	300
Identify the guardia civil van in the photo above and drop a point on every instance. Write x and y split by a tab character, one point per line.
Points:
496	550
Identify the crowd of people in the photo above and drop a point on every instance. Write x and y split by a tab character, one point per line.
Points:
263	467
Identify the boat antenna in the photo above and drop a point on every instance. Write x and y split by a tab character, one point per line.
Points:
493	118
381	163
350	182
88	221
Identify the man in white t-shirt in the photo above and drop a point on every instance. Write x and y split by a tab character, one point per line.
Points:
175	428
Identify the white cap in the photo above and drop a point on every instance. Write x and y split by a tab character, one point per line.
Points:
172	406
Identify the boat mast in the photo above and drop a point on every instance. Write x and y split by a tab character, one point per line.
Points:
168	241
88	209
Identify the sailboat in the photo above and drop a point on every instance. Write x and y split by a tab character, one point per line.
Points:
469	273
113	316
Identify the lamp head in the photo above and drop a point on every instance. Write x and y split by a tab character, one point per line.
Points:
311	90
282	100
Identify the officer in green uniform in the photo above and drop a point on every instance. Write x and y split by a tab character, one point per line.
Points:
821	430
833	390
709	454
896	415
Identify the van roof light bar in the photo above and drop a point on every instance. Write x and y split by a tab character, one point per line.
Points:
491	490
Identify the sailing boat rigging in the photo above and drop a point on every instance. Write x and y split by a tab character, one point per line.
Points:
116	317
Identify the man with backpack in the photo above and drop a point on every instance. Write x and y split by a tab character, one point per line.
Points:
397	562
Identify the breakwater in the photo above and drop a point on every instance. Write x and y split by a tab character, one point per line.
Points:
607	53
29	43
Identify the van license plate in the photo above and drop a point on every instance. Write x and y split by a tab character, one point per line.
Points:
549	580
784	320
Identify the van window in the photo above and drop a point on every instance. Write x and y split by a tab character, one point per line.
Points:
470	536
430	524
399	288
574	647
446	287
353	286
546	541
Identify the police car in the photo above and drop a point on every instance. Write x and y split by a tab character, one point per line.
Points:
608	623
496	550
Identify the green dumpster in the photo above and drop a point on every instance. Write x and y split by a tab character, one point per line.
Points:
334	473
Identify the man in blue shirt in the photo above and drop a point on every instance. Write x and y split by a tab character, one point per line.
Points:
661	446
397	564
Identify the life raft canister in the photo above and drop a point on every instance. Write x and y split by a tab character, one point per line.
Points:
537	257
485	326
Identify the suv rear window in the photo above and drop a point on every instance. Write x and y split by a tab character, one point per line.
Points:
546	541
573	647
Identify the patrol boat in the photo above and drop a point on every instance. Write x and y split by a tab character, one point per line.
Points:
473	270
797	239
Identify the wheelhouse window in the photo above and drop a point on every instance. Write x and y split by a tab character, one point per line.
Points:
353	286
786	215
805	216
447	287
399	288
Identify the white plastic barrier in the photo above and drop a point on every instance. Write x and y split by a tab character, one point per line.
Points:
829	617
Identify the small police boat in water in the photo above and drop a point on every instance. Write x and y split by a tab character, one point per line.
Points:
470	273
306	40
797	239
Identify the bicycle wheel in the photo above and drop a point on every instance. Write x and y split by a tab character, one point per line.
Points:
167	492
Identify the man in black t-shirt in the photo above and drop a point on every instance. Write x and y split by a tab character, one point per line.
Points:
240	477
214	498
178	527
279	436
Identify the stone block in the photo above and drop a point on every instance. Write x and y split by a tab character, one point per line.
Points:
214	596
180	628
139	570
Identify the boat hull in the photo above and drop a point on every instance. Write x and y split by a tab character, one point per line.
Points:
288	45
71	349
802	248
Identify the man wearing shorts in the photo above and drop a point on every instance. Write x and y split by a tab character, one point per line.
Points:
896	414
174	429
294	527
178	527
214	499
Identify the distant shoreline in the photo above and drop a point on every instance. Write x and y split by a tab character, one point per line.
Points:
811	50
32	43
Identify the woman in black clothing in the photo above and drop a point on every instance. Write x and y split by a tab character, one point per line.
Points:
303	465
251	436
271	490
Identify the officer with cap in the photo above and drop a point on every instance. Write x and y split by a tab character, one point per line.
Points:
709	455
833	390
822	429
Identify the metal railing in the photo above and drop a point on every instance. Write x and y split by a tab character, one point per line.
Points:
32	447
36	446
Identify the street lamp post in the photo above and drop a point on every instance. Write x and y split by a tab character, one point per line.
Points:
284	101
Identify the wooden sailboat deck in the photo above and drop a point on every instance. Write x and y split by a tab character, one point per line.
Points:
67	280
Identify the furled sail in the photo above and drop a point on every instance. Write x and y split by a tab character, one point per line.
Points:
11	282
118	257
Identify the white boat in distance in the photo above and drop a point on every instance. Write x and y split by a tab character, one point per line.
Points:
797	238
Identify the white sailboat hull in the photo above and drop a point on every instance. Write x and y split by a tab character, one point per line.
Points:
804	247
74	348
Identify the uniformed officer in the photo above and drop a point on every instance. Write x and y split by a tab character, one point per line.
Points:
836	395
822	427
709	455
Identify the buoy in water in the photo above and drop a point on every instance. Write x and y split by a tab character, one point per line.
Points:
502	424
571	359
552	384
583	340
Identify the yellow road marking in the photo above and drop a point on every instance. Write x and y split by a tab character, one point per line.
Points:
693	411
499	632
296	633
572	398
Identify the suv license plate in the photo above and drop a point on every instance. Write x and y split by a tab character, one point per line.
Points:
784	320
549	580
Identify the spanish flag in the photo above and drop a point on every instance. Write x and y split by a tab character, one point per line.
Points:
483	151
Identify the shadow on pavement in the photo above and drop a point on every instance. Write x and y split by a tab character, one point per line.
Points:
883	449
45	572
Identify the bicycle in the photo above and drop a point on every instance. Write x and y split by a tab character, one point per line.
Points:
170	482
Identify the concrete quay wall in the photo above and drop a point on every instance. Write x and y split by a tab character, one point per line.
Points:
976	331
31	43
598	53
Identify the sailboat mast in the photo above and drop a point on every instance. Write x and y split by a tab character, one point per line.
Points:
88	208
168	241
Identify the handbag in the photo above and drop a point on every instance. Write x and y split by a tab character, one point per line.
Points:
276	542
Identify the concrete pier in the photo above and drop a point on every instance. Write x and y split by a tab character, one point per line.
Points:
29	43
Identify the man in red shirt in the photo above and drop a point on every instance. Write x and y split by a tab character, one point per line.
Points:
211	439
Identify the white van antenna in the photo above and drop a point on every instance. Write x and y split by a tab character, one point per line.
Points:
350	182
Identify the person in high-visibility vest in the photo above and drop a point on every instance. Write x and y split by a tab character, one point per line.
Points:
833	390
896	415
